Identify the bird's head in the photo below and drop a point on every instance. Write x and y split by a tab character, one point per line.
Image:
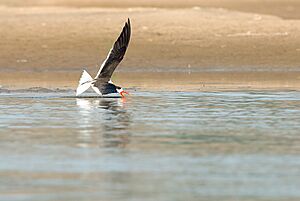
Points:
121	91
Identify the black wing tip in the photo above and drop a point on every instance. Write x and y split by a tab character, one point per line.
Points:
127	29
124	38
127	24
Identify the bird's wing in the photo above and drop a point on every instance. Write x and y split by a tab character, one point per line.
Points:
116	54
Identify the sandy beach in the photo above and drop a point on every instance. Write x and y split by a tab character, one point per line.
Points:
231	40
284	8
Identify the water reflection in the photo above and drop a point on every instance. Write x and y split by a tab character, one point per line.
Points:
109	117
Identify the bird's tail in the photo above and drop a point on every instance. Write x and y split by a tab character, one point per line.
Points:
84	83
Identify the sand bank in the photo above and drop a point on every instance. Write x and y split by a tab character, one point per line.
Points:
161	81
283	8
214	47
62	38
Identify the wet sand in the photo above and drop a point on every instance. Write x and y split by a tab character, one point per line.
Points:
207	44
68	38
160	81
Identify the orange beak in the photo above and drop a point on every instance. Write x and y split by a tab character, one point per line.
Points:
124	92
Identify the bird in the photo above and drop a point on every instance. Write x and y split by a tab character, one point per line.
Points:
102	83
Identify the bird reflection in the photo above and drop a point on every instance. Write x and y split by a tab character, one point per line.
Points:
107	116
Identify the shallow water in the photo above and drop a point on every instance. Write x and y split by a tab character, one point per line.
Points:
150	146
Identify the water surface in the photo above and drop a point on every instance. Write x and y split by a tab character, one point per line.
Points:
150	146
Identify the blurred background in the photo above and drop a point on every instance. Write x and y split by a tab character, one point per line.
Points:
168	36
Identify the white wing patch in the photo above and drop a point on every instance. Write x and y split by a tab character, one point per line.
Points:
97	90
84	83
85	77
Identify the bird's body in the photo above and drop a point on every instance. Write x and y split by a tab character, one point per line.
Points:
102	83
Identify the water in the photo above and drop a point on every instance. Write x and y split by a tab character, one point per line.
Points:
151	146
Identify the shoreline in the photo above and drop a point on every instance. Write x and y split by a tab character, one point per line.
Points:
160	81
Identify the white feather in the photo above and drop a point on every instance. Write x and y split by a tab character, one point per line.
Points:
84	83
97	90
85	77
